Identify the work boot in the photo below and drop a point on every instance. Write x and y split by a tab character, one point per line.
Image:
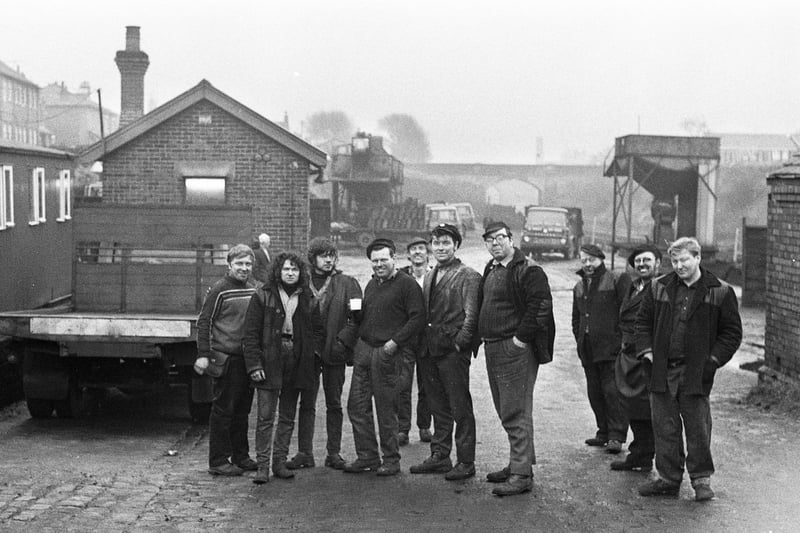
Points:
433	464
596	441
388	469
280	471
335	461
424	435
262	475
225	469
515	484
460	471
499	477
402	438
359	466
300	460
247	464
633	464
614	446
702	490
659	487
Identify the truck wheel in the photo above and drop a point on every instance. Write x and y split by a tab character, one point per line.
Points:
72	405
364	238
39	408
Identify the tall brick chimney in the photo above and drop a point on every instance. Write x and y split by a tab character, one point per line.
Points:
132	64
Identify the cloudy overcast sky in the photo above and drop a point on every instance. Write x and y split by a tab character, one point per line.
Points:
483	78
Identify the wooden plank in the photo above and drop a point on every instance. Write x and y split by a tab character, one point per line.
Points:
110	327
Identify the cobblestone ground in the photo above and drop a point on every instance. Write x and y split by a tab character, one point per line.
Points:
141	466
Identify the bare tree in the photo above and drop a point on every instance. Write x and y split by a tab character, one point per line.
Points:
407	138
695	126
326	129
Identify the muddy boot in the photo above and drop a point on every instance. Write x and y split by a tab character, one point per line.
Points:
262	475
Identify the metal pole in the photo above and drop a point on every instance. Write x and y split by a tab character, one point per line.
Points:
102	128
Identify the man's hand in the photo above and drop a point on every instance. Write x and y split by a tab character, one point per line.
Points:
200	365
258	375
518	343
390	347
648	356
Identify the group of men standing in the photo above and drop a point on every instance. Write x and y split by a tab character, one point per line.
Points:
305	323
650	348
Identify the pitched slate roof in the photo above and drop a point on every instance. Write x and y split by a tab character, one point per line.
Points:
9	72
204	91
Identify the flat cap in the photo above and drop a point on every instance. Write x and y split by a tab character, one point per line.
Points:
447	229
381	243
594	250
494	226
416	241
642	249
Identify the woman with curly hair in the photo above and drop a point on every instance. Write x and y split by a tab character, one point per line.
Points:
282	335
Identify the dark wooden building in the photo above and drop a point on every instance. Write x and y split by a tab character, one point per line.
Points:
35	225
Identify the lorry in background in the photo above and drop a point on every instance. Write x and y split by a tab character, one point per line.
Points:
552	230
367	199
467	215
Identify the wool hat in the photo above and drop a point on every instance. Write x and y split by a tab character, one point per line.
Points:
447	229
414	242
594	250
642	249
494	226
381	243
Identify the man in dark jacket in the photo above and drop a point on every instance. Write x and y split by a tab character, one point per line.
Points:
517	328
595	325
219	354
451	303
631	379
687	327
391	320
282	335
331	292
261	266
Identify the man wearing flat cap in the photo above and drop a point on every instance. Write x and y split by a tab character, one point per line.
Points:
450	292
392	317
518	331
595	323
631	378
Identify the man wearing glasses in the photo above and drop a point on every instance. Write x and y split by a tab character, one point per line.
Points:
517	327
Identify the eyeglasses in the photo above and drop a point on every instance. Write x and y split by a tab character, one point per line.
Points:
499	239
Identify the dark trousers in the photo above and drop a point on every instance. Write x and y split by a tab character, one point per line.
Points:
287	408
230	408
404	399
512	375
673	411
604	398
332	385
642	447
375	375
446	382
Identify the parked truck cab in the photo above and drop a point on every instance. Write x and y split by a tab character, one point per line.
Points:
552	230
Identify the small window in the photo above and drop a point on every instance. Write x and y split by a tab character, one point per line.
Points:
205	191
64	196
37	197
6	197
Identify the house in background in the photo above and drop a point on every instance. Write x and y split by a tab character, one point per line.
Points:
35	225
20	109
754	149
74	118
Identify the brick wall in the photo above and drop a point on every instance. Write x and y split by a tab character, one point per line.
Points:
782	332
148	171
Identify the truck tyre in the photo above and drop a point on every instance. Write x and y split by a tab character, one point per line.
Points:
39	408
72	405
200	412
364	238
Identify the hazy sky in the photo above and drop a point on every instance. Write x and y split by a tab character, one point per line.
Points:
483	78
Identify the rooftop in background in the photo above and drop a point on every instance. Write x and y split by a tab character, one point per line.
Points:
5	70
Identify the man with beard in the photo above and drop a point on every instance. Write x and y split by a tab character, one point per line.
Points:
687	327
451	304
392	318
595	325
219	354
518	331
331	293
418	258
631	380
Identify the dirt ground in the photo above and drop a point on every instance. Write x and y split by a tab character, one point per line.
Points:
140	465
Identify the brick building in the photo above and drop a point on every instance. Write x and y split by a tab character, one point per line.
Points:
20	109
74	117
203	148
35	225
782	332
